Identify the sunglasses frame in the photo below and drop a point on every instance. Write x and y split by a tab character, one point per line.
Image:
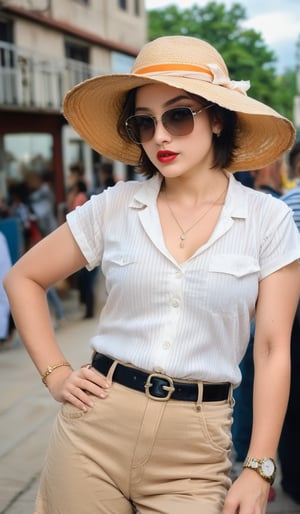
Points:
193	113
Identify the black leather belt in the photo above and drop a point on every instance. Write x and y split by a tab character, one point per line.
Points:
158	386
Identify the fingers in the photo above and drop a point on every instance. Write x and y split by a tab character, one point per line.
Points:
79	388
95	381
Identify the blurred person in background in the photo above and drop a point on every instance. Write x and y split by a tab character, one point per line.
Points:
19	209
76	187
292	197
85	279
105	177
5	265
77	195
289	445
4	209
269	178
42	205
42	202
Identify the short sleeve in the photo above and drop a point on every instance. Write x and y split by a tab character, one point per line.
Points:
86	223
280	243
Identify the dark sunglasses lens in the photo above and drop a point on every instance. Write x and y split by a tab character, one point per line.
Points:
178	121
140	128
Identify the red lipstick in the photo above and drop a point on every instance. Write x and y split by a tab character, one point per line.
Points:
165	156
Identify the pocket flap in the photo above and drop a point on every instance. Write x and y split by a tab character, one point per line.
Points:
237	265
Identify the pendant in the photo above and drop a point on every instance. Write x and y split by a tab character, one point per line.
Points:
182	237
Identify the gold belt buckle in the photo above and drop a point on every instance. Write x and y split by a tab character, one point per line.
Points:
169	388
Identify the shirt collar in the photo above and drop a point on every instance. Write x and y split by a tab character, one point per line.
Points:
147	193
236	203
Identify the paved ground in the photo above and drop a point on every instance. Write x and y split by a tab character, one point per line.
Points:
27	412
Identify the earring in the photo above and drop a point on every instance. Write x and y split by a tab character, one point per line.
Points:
217	134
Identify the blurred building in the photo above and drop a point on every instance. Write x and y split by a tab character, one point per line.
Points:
46	47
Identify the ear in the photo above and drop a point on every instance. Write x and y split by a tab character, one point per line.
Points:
217	126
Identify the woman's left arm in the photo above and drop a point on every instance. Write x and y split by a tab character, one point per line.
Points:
276	306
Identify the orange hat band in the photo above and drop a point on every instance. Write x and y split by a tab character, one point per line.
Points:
184	69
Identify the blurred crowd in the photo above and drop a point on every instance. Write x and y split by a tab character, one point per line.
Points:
27	214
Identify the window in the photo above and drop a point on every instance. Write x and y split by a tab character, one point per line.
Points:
8	63
137	7
123	4
24	152
76	52
77	56
6	30
83	2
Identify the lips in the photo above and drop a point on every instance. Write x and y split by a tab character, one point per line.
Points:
166	156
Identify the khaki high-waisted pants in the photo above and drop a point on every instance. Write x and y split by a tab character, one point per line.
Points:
132	452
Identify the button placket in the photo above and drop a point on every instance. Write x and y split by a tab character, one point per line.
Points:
170	326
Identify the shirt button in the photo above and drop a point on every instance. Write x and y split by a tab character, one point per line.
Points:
166	345
175	302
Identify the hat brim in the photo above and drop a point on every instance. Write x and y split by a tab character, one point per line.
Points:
93	108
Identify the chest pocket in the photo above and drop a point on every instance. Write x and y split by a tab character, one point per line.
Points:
236	265
233	283
119	269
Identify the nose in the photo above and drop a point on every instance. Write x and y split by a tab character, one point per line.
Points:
160	132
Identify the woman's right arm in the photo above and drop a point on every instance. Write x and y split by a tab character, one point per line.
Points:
54	258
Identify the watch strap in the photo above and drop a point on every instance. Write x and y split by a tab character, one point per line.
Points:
256	464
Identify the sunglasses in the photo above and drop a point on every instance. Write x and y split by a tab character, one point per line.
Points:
178	121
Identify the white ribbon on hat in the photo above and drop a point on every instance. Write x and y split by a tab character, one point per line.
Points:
220	79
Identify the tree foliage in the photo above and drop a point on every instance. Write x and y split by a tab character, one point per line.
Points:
244	50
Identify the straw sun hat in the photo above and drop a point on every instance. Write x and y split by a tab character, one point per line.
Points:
93	107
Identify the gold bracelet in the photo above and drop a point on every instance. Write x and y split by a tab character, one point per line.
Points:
50	369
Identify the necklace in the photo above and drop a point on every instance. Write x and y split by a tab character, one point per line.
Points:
183	234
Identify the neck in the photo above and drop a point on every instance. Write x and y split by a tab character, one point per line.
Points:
190	193
188	212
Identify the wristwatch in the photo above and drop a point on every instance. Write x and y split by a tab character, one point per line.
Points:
265	467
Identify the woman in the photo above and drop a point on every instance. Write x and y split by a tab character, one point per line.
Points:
189	256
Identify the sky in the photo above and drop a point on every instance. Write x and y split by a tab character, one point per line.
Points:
278	21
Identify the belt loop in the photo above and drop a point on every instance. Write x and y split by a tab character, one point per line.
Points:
231	399
93	356
200	396
111	370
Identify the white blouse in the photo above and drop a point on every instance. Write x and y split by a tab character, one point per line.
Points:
187	320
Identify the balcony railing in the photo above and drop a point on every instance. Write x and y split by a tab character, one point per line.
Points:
33	81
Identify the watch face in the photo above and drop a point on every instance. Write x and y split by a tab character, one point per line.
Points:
268	467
